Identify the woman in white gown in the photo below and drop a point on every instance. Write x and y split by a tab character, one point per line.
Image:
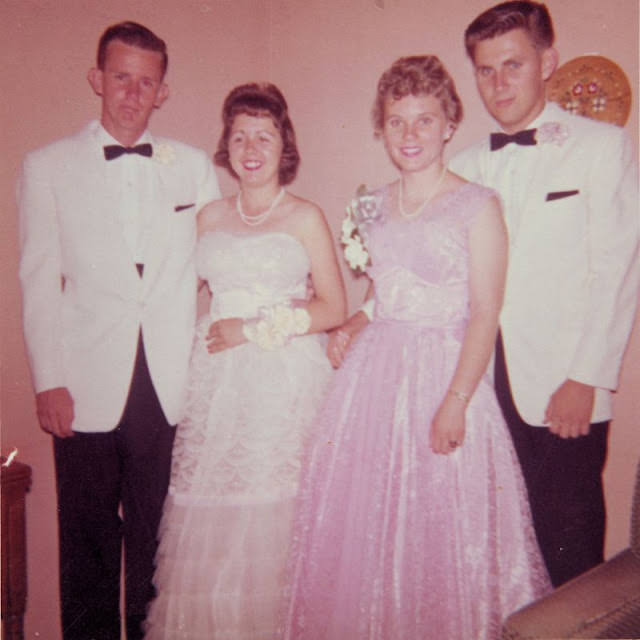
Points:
258	372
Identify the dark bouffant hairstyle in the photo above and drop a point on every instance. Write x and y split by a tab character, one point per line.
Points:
417	76
533	17
259	100
133	34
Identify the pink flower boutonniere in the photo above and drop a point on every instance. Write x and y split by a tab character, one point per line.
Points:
552	132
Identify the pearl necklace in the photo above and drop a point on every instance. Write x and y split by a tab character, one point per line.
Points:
253	221
418	211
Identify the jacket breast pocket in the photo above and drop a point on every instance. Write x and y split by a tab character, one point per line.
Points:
560	221
182	224
559	195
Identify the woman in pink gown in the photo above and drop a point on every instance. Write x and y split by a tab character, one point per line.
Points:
412	521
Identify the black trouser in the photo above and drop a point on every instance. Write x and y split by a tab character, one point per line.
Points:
564	482
101	477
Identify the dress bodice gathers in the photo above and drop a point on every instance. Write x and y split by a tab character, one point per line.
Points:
421	267
246	272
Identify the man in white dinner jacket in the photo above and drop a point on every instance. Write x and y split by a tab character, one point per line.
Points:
569	192
107	229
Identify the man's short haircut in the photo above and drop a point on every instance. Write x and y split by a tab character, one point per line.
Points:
533	17
133	34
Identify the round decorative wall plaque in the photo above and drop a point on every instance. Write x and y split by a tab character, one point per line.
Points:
592	86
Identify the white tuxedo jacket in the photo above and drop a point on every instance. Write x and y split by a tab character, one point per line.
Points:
571	209
83	335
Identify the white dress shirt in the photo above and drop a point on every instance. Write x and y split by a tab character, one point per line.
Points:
133	178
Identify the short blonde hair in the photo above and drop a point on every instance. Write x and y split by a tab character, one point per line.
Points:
417	76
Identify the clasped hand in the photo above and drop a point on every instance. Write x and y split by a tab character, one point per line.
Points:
224	334
448	426
568	413
339	341
55	411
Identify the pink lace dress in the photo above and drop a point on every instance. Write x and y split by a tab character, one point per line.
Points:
392	541
236	459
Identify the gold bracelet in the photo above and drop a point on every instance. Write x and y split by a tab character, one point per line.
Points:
465	397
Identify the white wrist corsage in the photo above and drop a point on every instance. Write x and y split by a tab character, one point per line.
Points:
363	210
275	326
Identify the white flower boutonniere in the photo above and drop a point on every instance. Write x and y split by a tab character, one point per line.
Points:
164	153
363	210
552	132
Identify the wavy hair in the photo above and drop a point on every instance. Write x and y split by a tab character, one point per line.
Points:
259	100
417	76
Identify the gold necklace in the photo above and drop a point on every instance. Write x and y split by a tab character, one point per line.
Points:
418	211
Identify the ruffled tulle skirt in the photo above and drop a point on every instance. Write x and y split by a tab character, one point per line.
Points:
227	520
392	541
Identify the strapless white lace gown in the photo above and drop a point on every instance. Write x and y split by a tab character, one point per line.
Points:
236	460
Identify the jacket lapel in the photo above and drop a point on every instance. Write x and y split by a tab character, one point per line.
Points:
102	208
160	209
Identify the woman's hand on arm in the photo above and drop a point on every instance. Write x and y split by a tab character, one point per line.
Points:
225	334
341	338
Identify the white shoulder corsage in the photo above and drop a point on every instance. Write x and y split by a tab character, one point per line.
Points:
362	212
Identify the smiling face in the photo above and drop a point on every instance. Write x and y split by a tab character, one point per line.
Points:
510	75
415	130
130	86
255	149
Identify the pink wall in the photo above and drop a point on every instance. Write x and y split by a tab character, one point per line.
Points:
326	56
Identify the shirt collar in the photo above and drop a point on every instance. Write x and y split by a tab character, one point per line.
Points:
548	114
103	137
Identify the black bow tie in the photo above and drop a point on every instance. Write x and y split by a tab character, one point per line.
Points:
499	140
112	151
